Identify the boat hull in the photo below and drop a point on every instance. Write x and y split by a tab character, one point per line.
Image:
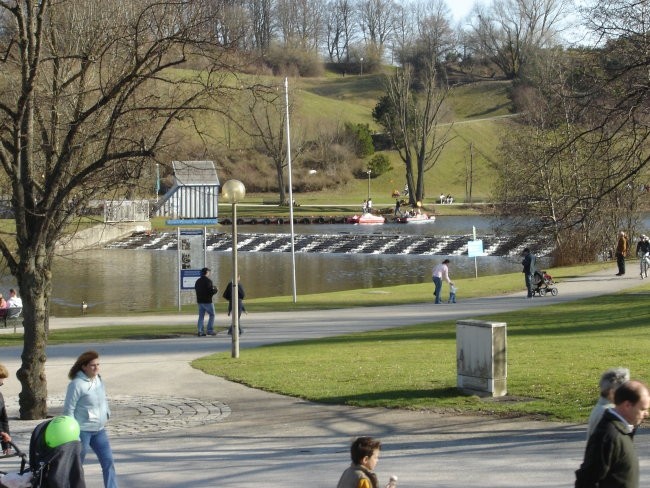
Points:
416	219
367	219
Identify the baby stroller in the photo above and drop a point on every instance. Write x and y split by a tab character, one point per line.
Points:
24	470
543	283
49	467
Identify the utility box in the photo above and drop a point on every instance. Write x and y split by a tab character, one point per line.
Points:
481	357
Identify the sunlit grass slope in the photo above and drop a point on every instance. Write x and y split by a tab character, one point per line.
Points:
555	357
479	112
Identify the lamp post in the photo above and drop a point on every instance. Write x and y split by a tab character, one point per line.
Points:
361	62
234	191
369	171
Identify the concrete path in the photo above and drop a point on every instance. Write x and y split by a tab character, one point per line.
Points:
173	426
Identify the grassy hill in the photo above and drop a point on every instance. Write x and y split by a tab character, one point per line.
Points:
480	114
480	111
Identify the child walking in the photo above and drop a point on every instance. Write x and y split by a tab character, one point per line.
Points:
365	455
452	294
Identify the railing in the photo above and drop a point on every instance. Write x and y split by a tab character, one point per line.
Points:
126	211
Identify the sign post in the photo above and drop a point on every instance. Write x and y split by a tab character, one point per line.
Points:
475	248
192	252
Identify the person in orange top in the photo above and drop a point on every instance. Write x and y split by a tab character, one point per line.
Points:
621	252
365	454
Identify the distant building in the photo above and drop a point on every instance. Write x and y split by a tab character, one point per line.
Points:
195	193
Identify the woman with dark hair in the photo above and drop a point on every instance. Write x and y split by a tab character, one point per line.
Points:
86	401
440	272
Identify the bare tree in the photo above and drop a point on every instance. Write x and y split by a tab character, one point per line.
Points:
300	23
340	29
262	23
510	32
263	119
561	176
404	32
89	91
433	36
413	119
376	17
231	22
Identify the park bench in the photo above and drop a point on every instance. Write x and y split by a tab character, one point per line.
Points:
13	314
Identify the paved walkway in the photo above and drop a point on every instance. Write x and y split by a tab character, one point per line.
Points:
174	426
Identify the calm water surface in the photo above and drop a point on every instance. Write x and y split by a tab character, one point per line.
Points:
115	281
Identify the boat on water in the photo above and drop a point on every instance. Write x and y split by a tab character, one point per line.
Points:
418	218
366	218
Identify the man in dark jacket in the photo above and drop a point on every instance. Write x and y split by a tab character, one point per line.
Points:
610	458
529	270
643	250
241	294
621	251
205	290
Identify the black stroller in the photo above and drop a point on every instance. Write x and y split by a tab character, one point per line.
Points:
48	467
543	283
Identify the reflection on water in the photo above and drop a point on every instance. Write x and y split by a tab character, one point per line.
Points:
113	281
117	281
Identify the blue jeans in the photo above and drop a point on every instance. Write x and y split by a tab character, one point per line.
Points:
98	442
438	284
203	309
528	278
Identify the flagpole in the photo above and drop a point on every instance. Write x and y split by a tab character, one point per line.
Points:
293	249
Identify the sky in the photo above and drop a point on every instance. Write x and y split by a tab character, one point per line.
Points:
460	8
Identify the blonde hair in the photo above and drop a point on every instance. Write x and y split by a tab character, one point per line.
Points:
4	373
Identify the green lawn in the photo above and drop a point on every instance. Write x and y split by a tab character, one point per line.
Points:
394	295
555	357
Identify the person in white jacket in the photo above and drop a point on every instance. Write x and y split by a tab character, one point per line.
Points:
439	274
85	400
609	381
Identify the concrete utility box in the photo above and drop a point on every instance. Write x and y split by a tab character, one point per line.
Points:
481	357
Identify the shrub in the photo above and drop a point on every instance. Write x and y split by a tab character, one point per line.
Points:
291	61
361	138
379	165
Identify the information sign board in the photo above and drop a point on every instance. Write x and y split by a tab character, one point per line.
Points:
475	248
191	253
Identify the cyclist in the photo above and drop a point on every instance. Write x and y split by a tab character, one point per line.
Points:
643	251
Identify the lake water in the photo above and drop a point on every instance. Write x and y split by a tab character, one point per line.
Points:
116	281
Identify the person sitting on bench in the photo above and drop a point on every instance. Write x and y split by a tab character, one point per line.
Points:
14	300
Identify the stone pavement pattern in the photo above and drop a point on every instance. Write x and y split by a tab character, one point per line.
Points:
173	426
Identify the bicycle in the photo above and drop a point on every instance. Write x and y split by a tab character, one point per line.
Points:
644	264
